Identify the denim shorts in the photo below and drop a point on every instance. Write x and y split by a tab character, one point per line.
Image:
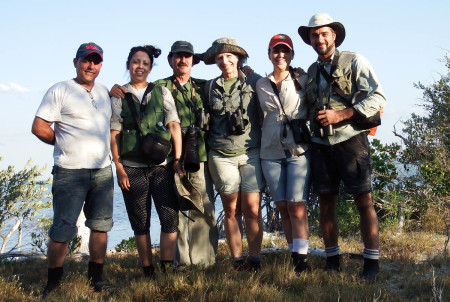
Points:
349	162
77	189
233	174
289	179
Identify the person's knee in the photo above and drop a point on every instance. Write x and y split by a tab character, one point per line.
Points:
251	212
363	202
282	207
297	210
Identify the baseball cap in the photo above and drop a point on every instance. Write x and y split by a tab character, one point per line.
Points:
182	46
281	39
88	48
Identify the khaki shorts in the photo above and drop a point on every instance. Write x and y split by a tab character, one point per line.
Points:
241	173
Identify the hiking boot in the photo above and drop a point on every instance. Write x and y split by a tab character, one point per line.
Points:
239	265
370	270
102	286
149	271
48	288
333	263
254	266
53	280
299	261
167	266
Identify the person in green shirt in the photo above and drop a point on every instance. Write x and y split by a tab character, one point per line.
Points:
198	235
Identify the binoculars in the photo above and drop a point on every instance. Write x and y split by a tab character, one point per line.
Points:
191	160
236	122
202	118
323	131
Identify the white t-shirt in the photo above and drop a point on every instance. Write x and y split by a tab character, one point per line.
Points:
81	124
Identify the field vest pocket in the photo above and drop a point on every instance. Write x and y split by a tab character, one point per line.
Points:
343	80
129	144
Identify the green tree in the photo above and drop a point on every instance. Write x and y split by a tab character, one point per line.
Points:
413	176
426	138
22	196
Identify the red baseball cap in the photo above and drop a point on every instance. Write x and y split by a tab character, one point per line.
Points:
281	39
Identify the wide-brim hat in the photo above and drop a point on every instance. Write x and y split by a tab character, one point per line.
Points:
220	46
320	20
189	198
184	46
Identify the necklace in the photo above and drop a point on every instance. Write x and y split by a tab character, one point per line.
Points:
92	98
89	92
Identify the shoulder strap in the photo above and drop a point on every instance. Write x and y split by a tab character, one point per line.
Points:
275	89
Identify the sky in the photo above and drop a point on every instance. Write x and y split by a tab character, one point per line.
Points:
405	41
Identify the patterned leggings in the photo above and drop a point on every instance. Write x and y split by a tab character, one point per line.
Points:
146	183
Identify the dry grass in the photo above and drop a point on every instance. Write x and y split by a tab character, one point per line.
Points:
413	269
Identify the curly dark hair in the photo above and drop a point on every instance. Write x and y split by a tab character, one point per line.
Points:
151	50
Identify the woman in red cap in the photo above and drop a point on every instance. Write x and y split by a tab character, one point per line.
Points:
285	138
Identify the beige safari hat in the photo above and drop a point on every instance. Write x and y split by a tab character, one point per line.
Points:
220	46
189	198
320	20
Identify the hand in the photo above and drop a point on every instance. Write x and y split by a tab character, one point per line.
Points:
123	181
117	91
247	70
328	117
298	71
178	168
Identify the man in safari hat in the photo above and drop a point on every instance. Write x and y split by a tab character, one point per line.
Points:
80	110
344	99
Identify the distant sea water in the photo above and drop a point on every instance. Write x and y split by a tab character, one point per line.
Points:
121	229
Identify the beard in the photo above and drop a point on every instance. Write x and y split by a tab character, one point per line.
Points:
326	50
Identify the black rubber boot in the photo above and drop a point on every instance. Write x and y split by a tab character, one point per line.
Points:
333	263
299	261
239	265
95	276
370	270
149	271
254	266
53	280
166	266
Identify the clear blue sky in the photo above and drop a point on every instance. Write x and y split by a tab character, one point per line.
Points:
406	42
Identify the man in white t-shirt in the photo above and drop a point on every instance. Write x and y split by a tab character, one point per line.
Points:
79	110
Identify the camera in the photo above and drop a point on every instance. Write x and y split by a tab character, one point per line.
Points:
300	131
202	118
236	122
323	131
191	160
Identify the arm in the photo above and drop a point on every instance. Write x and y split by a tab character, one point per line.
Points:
117	91
122	177
175	131
43	130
